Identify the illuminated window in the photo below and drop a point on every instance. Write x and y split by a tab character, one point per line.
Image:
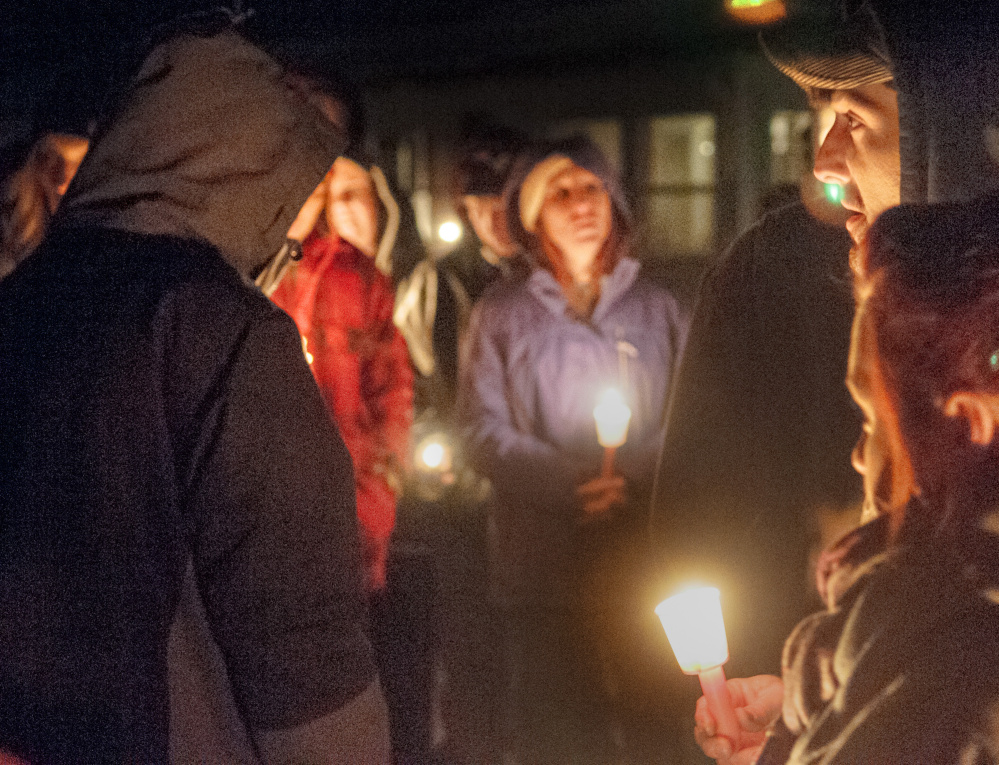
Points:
679	215
794	136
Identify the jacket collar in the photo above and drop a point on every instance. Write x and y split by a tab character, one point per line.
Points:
546	289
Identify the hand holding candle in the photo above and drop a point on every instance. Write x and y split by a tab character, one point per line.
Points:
612	416
696	631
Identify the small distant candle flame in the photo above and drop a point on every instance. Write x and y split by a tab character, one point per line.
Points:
449	231
433	455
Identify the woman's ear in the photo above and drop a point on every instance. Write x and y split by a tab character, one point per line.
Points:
981	410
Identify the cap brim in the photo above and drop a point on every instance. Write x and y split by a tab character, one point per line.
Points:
843	72
832	54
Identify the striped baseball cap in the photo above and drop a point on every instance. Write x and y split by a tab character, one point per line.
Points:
832	52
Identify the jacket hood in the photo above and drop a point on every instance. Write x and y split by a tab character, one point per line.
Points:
209	142
583	152
946	62
390	231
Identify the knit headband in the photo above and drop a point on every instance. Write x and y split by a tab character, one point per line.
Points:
532	190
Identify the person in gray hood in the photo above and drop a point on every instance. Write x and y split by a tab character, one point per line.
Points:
539	351
157	417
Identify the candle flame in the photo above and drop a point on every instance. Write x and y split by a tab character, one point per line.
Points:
433	455
612	416
695	628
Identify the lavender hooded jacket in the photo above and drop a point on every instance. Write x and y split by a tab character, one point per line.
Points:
530	378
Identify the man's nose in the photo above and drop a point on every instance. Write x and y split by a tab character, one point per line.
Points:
857	455
830	160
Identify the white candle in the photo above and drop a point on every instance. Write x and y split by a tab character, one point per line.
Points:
696	630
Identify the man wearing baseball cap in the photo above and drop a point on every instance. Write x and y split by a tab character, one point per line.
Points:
761	427
843	63
912	90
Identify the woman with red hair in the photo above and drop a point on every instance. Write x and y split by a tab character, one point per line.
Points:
900	667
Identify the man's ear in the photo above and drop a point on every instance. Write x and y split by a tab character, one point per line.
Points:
981	410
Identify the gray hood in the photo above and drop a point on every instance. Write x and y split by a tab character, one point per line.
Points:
210	142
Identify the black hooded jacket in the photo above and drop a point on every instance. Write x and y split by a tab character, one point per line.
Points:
155	410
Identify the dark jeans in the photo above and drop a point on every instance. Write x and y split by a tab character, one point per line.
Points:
402	633
556	710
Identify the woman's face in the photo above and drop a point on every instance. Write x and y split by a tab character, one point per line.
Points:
576	216
880	455
352	209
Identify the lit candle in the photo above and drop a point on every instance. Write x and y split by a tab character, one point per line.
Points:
696	631
434	454
612	416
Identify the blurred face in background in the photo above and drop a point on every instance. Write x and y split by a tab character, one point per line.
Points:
861	153
487	214
575	220
352	206
308	216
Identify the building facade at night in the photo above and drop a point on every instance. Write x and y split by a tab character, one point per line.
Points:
677	94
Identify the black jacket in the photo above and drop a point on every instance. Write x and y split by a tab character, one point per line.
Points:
760	430
154	407
156	414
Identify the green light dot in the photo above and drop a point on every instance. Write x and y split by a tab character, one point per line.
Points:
834	193
994	361
749	3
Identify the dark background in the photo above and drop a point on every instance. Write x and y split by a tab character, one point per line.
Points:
427	67
81	47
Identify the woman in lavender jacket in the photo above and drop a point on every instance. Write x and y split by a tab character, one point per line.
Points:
539	351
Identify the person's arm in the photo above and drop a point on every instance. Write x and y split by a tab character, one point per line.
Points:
343	736
704	454
275	550
388	379
387	394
